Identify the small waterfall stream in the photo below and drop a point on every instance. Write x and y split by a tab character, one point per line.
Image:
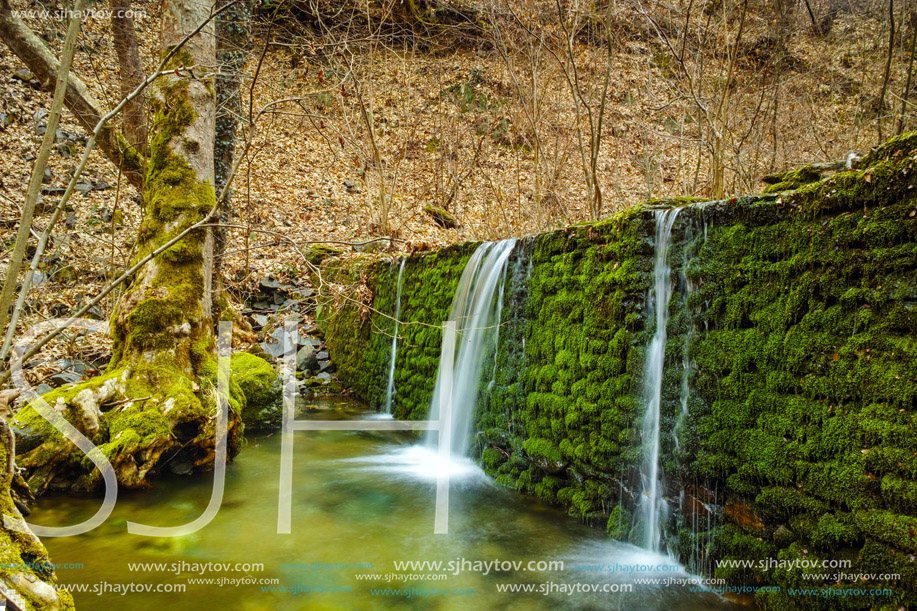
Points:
476	310
653	509
390	386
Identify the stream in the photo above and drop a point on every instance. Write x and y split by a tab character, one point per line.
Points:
362	501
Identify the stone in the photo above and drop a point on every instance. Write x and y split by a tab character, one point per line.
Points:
23	74
305	358
327	366
262	388
324	376
85	187
441	217
70	222
180	468
26	438
269	283
377	245
64	377
323	356
260	320
273	349
43	388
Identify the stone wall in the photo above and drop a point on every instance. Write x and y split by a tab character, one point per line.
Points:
790	392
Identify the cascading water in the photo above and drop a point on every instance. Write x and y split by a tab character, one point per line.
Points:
653	508
476	310
390	387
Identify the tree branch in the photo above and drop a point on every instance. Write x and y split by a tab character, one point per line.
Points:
39	59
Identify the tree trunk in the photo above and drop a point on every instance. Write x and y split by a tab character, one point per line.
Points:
233	28
125	43
25	569
163	330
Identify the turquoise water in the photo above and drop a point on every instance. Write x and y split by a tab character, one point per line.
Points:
361	502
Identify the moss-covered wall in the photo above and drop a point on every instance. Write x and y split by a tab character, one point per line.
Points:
790	386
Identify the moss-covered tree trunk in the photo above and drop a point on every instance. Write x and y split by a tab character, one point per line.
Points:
26	574
163	328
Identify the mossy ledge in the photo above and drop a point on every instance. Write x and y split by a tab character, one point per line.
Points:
797	314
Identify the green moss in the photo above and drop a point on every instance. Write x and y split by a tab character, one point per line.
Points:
619	523
23	554
800	334
441	217
792	179
542	448
261	389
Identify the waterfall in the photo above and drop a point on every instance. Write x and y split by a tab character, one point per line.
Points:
476	310
390	387
653	507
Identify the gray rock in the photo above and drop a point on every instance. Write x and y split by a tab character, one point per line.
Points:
6	119
305	358
315	342
65	377
74	365
260	320
51	190
23	74
26	438
327	366
85	187
324	376
279	299
260	305
71	221
269	283
373	246
180	468
322	356
273	349
43	388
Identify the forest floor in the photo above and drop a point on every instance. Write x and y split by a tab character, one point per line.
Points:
450	129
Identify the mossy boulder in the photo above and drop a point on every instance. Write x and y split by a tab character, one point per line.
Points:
441	217
261	387
792	179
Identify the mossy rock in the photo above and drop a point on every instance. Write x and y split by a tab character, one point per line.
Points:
441	217
792	179
262	388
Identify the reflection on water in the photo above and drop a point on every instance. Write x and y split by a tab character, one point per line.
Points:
360	498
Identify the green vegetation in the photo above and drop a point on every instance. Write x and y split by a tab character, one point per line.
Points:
800	330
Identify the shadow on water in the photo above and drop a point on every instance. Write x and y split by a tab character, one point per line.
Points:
360	498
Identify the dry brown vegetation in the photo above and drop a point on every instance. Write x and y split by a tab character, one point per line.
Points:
514	116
